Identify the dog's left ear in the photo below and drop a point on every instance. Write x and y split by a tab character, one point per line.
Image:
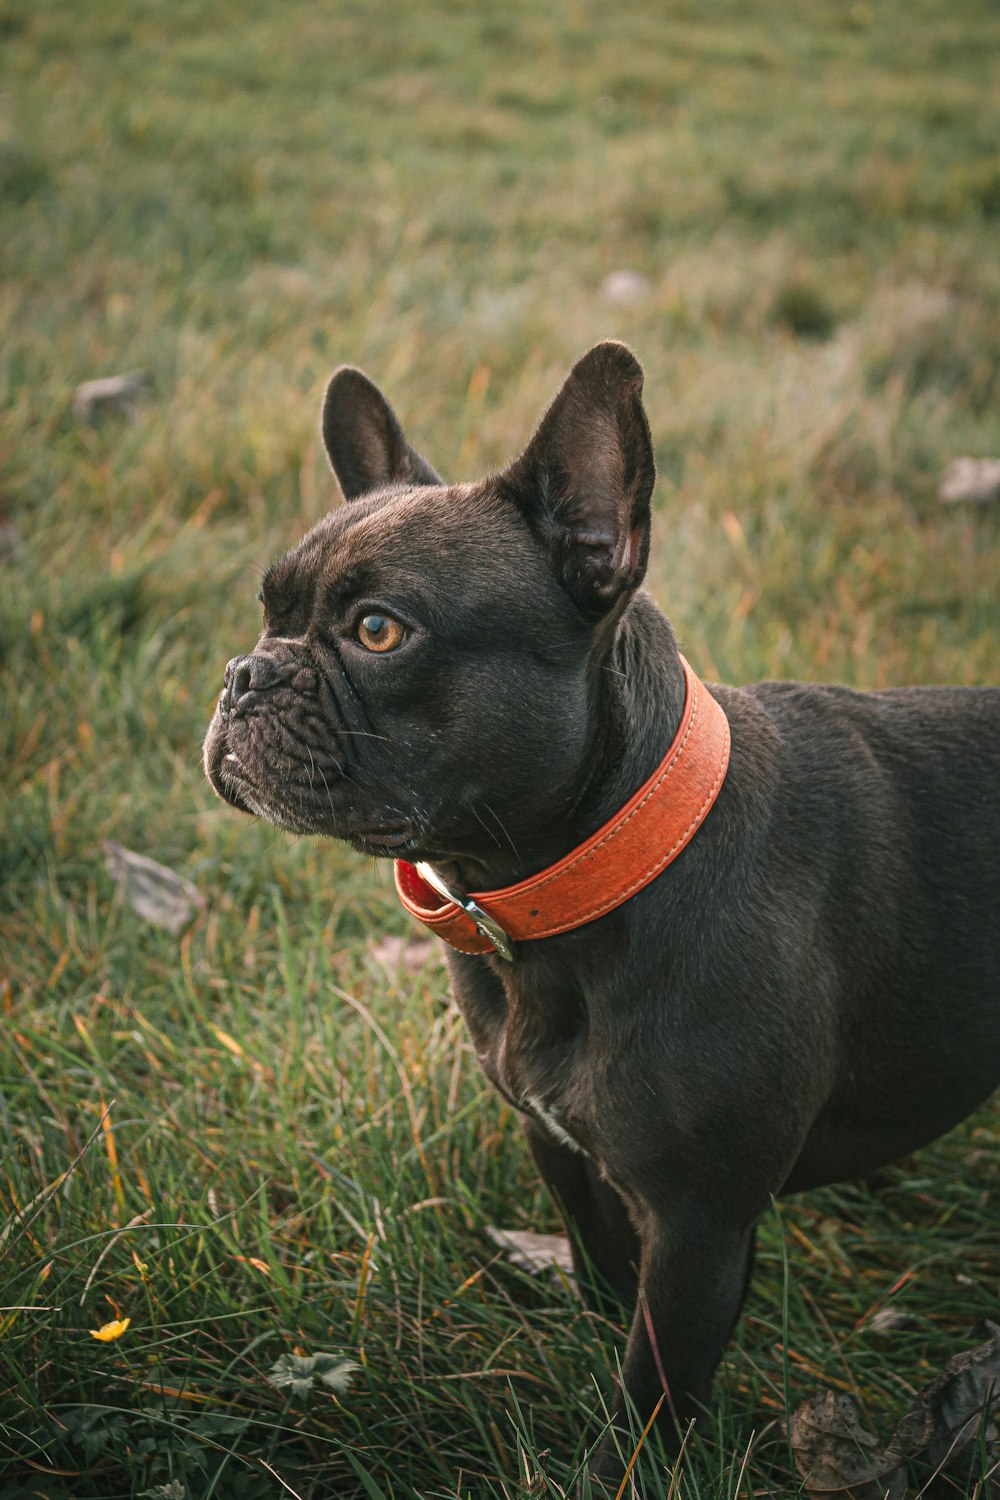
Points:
364	442
584	481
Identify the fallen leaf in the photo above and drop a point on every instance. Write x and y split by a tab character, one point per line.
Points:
837	1457
973	479
625	287
533	1252
406	953
117	395
11	541
957	1411
155	892
888	1320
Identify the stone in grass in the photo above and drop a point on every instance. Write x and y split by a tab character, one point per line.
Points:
154	891
837	1457
973	479
115	395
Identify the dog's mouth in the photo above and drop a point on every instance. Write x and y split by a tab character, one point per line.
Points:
393	837
236	784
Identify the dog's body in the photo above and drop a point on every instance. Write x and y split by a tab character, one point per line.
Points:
810	990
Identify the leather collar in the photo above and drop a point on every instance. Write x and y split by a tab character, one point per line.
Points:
612	865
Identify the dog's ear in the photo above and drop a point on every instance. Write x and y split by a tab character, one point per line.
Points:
584	481
363	439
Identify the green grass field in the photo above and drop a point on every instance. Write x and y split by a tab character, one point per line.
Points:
268	1139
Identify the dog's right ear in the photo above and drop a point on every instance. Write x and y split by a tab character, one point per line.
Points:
363	439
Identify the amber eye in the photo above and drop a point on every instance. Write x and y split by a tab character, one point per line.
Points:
380	632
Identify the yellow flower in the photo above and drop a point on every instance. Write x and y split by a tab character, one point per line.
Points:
108	1332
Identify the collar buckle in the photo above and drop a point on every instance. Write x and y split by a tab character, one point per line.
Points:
485	925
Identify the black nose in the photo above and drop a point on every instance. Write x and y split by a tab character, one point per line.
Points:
248	674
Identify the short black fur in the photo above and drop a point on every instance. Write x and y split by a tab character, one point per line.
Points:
810	990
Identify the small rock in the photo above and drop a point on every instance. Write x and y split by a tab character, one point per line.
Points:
975	479
115	395
624	287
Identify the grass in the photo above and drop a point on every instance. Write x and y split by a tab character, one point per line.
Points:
268	1139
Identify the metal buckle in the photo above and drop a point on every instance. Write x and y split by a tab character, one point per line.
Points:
484	923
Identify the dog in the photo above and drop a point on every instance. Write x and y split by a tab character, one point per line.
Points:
714	945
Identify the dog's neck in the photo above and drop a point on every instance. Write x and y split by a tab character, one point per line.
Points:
637	683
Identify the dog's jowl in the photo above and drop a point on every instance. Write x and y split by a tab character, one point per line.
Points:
715	944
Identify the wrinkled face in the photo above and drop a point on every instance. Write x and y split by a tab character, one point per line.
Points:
420	686
427	676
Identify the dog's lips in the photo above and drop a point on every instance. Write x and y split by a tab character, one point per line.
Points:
394	836
237	785
232	780
334	807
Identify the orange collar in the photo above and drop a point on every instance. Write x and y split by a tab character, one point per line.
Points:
614	863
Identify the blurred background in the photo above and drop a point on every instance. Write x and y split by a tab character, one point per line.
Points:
230	1133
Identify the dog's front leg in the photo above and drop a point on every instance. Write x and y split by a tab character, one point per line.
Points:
693	1276
604	1243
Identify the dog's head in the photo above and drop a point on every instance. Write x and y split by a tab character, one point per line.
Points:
426	679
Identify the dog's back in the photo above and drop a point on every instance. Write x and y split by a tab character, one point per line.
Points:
884	853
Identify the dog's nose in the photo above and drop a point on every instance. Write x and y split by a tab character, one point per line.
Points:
247	674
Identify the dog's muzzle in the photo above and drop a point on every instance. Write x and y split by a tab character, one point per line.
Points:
247	674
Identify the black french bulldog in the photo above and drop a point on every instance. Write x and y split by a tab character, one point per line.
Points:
469	675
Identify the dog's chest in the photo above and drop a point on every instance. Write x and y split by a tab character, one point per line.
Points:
549	1120
527	1039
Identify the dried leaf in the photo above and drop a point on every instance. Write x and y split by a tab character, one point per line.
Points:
625	287
888	1320
409	954
973	479
533	1252
11	541
837	1457
117	395
958	1409
155	892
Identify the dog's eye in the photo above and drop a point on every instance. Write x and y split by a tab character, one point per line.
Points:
379	632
